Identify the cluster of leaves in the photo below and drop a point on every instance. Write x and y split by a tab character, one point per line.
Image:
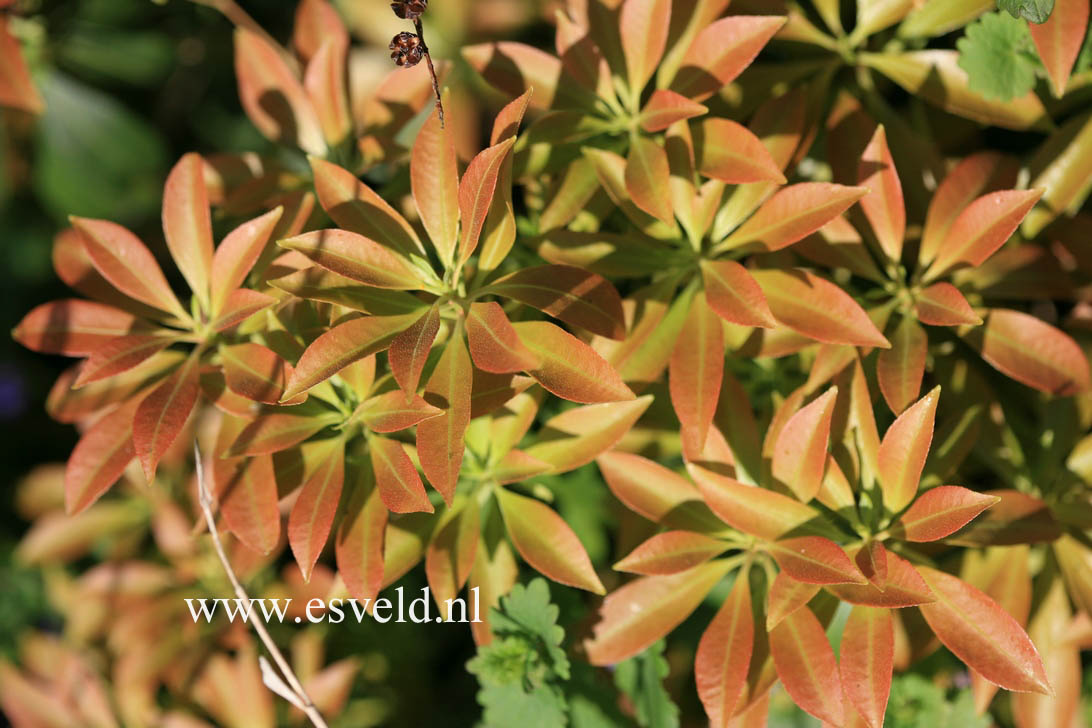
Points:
714	263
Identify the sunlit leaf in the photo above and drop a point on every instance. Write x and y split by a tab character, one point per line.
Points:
800	451
570	294
399	485
903	451
99	458
357	257
867	656
806	665
435	180
409	350
1032	352
644	610
162	414
900	369
817	308
570	368
312	516
940	512
671	552
982	634
440	440
545	541
724	655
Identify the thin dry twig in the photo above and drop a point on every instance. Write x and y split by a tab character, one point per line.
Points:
431	69
302	700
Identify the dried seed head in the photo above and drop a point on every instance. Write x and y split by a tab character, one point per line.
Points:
407	49
409	9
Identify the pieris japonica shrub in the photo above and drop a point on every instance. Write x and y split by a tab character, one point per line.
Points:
796	294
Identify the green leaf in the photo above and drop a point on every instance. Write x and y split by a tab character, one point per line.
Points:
523	669
641	678
88	135
997	55
1037	11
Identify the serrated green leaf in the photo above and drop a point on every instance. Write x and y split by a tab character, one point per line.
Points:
996	54
642	679
1037	11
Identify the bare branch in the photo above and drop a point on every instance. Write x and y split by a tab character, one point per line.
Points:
302	701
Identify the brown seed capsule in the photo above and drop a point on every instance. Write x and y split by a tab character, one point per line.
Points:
407	49
409	9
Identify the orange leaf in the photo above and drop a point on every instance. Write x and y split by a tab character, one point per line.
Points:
644	610
494	346
900	369
410	349
648	176
883	206
272	95
817	308
570	368
241	304
99	458
903	586
237	254
941	304
247	491
359	542
312	516
354	206
1059	40
785	596
451	553
73	327
721	51
793	213
356	257
254	371
434	178
815	560
724	654
324	81
17	91
800	451
982	228
671	552
1033	352
732	153
579	435
695	373
733	293
162	414
127	264
316	23
750	509
806	665
903	451
476	192
643	26
974	175
665	107
546	543
867	659
187	223
399	485
120	355
392	412
570	294
275	432
441	440
940	512
982	634
1062	660
341	346
653	491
